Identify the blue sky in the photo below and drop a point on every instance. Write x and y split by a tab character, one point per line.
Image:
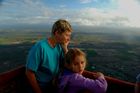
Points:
119	13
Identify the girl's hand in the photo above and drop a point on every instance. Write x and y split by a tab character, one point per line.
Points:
98	74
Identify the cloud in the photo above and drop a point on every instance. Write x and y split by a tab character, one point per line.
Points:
97	17
122	13
62	6
85	1
130	10
138	0
126	13
26	11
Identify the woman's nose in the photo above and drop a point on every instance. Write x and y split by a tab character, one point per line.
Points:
68	39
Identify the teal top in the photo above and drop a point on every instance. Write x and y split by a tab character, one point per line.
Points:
44	60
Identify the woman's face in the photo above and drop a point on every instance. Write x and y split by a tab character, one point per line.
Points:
63	37
78	64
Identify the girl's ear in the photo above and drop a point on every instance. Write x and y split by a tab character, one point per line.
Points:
67	65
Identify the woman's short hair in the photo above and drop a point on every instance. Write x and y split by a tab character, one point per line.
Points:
61	26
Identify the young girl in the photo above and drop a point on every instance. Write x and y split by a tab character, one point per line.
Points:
71	79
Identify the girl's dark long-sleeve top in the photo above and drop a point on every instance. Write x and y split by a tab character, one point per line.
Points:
70	82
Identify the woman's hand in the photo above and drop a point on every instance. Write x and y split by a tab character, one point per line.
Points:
65	46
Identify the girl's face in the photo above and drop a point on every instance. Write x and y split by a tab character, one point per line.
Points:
63	37
78	64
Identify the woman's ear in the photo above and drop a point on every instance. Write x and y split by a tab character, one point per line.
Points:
56	32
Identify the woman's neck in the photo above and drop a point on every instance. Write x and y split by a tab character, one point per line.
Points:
52	41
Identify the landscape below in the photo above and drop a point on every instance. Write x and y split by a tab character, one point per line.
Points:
113	53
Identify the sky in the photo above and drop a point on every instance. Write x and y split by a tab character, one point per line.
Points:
110	13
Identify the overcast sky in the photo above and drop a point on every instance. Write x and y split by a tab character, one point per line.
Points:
78	12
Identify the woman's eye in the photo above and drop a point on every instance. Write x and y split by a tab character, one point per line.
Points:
75	63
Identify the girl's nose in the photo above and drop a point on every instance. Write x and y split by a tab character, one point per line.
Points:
80	66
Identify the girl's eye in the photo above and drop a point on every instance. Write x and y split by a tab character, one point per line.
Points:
82	62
